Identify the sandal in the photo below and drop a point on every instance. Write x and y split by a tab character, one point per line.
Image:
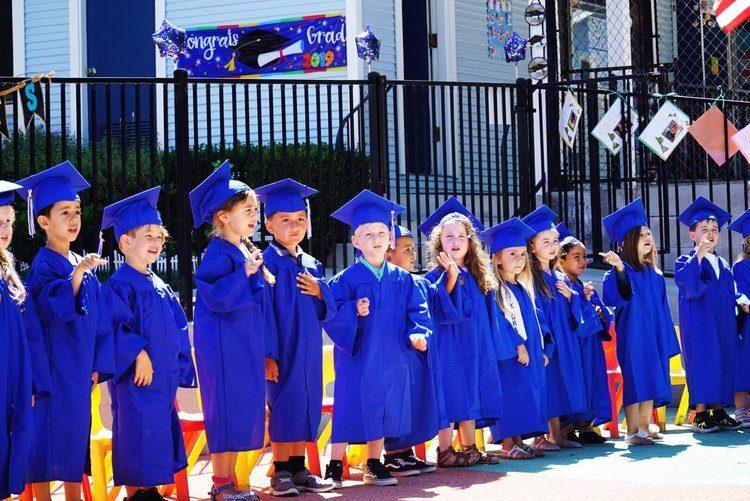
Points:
569	444
542	444
478	457
655	436
516	453
638	440
451	458
532	451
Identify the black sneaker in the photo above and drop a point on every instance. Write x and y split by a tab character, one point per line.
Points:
591	437
376	474
724	420
152	494
704	423
400	465
571	436
282	485
334	471
422	466
305	481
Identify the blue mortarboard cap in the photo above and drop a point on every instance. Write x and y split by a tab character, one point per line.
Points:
8	192
541	219
213	192
510	233
563	230
702	209
741	224
623	220
402	231
286	195
448	207
133	212
368	207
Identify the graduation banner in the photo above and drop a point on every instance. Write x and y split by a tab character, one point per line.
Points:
297	45
32	101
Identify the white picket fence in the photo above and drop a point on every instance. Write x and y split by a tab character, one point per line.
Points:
162	264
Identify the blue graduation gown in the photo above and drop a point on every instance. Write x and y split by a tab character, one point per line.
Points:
742	367
78	339
372	398
524	387
590	335
147	445
297	398
646	338
233	320
708	329
565	384
424	377
15	395
468	352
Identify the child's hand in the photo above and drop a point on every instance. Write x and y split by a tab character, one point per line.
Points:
363	307
588	291
446	261
523	355
704	246
546	360
272	370
419	342
612	259
89	262
253	264
94	380
599	313
144	371
309	285
563	288
745	308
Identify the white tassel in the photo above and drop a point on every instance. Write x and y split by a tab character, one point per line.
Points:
393	229
309	219
101	244
30	213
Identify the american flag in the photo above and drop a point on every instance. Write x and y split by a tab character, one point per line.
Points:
731	13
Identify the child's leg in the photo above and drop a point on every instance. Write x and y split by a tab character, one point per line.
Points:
632	416
467	429
741	400
130	490
280	452
223	464
445	438
586	426
398	451
41	491
72	491
338	451
700	408
554	429
644	415
508	443
375	449
296	457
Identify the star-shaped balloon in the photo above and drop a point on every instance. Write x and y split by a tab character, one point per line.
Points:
368	46
170	39
515	48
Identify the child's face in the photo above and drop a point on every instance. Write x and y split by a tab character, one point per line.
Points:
454	239
242	219
574	263
372	239
7	218
403	255
63	223
645	242
145	245
708	228
512	261
545	245
288	228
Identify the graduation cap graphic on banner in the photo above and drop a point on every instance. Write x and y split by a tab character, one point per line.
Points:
259	48
31	96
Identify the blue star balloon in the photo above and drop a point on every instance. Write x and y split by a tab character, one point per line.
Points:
368	46
515	48
170	39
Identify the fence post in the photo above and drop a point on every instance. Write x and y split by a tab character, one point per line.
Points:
526	166
595	191
378	121
182	186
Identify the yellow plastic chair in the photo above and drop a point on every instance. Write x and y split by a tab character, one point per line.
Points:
101	452
678	378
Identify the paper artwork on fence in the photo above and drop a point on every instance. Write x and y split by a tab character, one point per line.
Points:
666	130
611	128
570	116
708	131
742	141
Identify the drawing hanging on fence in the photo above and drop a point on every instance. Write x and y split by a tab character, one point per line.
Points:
612	127
302	45
666	130
499	26
570	116
742	140
709	132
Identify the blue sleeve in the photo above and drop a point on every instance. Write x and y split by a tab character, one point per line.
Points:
41	379
53	294
418	320
223	288
188	378
271	332
19	415
742	278
505	339
611	294
345	325
608	317
544	326
450	308
687	276
591	325
104	347
326	307
575	308
127	340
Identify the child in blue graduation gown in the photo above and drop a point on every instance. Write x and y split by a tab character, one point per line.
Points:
152	353
75	327
560	309
470	349
741	271
234	325
301	302
646	338
19	328
425	388
708	319
380	316
595	329
523	378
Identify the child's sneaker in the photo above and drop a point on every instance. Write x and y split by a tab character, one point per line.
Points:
282	485
422	466
724	420
334	471
152	494
376	474
230	492
400	465
704	423
305	481
743	416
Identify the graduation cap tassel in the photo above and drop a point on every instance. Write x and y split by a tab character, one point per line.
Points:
393	229
30	213
309	219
